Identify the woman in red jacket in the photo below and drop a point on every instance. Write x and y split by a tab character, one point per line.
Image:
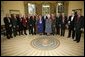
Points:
24	22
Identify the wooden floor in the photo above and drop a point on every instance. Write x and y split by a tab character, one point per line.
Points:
20	46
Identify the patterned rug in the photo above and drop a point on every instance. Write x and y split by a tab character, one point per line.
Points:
45	43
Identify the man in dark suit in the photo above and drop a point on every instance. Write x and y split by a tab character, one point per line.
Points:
34	24
78	26
63	22
19	24
71	25
30	24
44	19
8	26
58	23
14	24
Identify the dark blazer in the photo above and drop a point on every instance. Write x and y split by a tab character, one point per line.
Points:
31	22
7	23
71	24
14	22
34	21
58	21
65	21
43	20
80	23
19	23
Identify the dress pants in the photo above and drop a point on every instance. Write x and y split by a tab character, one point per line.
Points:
30	29
71	31
14	31
78	35
62	30
58	30
9	32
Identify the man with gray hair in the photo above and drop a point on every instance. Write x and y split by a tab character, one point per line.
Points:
8	26
71	25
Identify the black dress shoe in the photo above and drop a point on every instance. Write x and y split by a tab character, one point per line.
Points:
25	33
58	34
22	34
8	37
53	34
35	33
75	40
11	36
68	37
72	38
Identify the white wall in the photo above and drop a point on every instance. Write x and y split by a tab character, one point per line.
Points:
11	5
75	5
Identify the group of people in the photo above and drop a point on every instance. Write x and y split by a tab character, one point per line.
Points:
46	25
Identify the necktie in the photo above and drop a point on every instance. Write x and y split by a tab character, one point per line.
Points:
8	19
78	19
63	19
